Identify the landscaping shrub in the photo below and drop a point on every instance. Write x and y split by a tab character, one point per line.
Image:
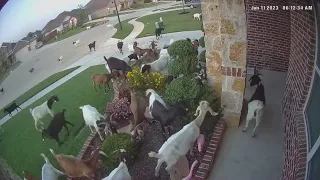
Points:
203	56
111	146
143	81
201	42
147	1
189	90
123	88
186	62
120	108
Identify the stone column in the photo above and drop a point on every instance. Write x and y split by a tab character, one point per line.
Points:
225	29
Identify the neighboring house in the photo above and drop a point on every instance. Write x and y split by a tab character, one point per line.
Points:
7	50
24	46
101	8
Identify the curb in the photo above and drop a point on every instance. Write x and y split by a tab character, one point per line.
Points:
211	152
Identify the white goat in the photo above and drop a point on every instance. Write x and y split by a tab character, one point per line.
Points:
119	173
88	27
109	26
60	58
130	47
154	96
181	142
48	171
91	116
42	110
76	42
197	16
158	65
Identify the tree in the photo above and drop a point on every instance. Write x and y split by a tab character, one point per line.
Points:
82	14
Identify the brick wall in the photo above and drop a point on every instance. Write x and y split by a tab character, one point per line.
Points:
300	68
268	35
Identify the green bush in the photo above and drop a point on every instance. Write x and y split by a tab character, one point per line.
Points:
181	48
201	42
111	146
203	56
147	1
189	90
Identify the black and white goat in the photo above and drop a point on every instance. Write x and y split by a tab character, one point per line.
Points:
75	43
43	110
256	103
116	64
55	126
11	108
161	113
157	65
92	45
2	90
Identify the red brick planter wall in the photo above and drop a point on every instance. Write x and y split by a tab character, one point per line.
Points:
268	35
301	62
211	152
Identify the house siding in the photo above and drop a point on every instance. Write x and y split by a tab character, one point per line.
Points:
102	13
21	53
268	35
300	69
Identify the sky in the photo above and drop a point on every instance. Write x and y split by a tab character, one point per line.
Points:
19	17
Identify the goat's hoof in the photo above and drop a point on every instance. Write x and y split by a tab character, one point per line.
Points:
243	130
253	135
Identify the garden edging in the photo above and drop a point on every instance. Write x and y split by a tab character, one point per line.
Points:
211	152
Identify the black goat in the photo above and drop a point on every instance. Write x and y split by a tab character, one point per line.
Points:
119	46
259	94
55	126
11	108
2	90
133	56
92	45
117	64
158	32
165	116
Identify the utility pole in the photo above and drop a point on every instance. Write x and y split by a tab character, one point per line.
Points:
117	14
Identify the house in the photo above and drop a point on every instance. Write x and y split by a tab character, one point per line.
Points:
23	46
7	50
63	21
285	41
101	8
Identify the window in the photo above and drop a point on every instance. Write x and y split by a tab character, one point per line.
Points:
312	111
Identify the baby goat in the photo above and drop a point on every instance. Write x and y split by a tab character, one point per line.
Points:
55	126
76	42
181	142
98	79
11	108
48	171
256	105
92	45
43	110
75	167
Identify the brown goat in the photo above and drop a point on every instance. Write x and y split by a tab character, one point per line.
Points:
28	176
140	52
75	167
98	79
138	107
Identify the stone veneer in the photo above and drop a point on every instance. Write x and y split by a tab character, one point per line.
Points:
225	30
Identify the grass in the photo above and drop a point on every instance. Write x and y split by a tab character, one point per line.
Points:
174	7
22	148
127	29
120	13
39	87
173	22
146	5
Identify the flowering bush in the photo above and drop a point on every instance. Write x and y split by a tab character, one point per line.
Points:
123	88
143	81
119	109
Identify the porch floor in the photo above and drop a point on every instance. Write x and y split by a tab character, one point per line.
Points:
242	157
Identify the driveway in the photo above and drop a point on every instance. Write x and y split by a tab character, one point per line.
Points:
44	60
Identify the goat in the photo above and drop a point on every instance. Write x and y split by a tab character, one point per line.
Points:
158	32
2	90
27	175
140	52
98	79
55	126
48	171
11	108
160	112
197	16
88	27
76	42
75	167
119	46
121	172
156	66
110	126
255	79
181	142
92	45
43	110
91	116
167	45
60	59
133	56
256	104
137	134
138	108
189	177
116	64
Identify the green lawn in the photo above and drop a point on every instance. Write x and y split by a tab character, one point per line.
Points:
173	22
146	5
174	7
39	87
22	144
127	29
120	13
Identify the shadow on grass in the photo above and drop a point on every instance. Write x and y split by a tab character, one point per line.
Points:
183	13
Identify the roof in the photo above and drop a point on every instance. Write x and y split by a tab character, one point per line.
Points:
54	23
95	5
6	47
28	39
20	45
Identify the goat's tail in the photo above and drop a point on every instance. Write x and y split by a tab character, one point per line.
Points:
45	158
105	58
153	154
148	91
